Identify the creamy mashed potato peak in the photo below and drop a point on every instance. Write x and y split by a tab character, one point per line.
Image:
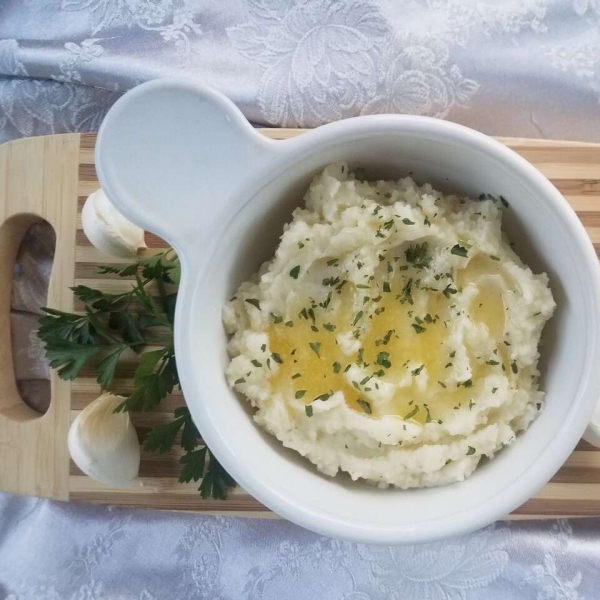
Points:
394	335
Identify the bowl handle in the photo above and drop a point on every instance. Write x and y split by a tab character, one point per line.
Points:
170	155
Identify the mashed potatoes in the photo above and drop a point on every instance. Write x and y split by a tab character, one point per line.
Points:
394	335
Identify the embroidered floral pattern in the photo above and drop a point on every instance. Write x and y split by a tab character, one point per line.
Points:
87	553
420	81
327	60
440	571
40	107
550	581
457	21
580	57
85	52
172	19
321	59
9	62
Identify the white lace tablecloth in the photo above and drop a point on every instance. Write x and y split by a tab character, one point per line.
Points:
526	68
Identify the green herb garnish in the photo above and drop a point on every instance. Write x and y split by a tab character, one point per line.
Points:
412	413
385	339
358	317
111	323
459	250
406	295
417	255
254	302
383	360
331	281
366	406
448	290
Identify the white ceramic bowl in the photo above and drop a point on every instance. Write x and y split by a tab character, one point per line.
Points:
180	160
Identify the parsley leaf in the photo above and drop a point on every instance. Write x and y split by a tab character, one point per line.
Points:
459	250
107	366
417	255
254	302
215	480
68	357
383	359
366	406
111	323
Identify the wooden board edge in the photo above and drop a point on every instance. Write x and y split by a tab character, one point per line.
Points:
88	140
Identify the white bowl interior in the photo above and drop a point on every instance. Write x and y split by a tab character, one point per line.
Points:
289	483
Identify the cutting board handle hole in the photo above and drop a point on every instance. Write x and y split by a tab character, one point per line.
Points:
27	245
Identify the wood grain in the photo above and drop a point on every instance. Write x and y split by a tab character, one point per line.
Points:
575	491
38	181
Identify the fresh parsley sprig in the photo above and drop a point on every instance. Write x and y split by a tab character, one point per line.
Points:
111	324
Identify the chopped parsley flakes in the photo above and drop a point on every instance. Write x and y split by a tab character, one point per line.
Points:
366	406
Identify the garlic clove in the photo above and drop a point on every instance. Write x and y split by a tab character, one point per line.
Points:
108	230
104	444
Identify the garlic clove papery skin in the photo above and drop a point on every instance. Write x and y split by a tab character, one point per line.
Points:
104	444
108	230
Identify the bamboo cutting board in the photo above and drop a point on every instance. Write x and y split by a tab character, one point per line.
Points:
50	177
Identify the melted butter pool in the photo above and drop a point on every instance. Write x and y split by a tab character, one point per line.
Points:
399	340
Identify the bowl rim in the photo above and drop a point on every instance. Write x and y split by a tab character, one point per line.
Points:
520	489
